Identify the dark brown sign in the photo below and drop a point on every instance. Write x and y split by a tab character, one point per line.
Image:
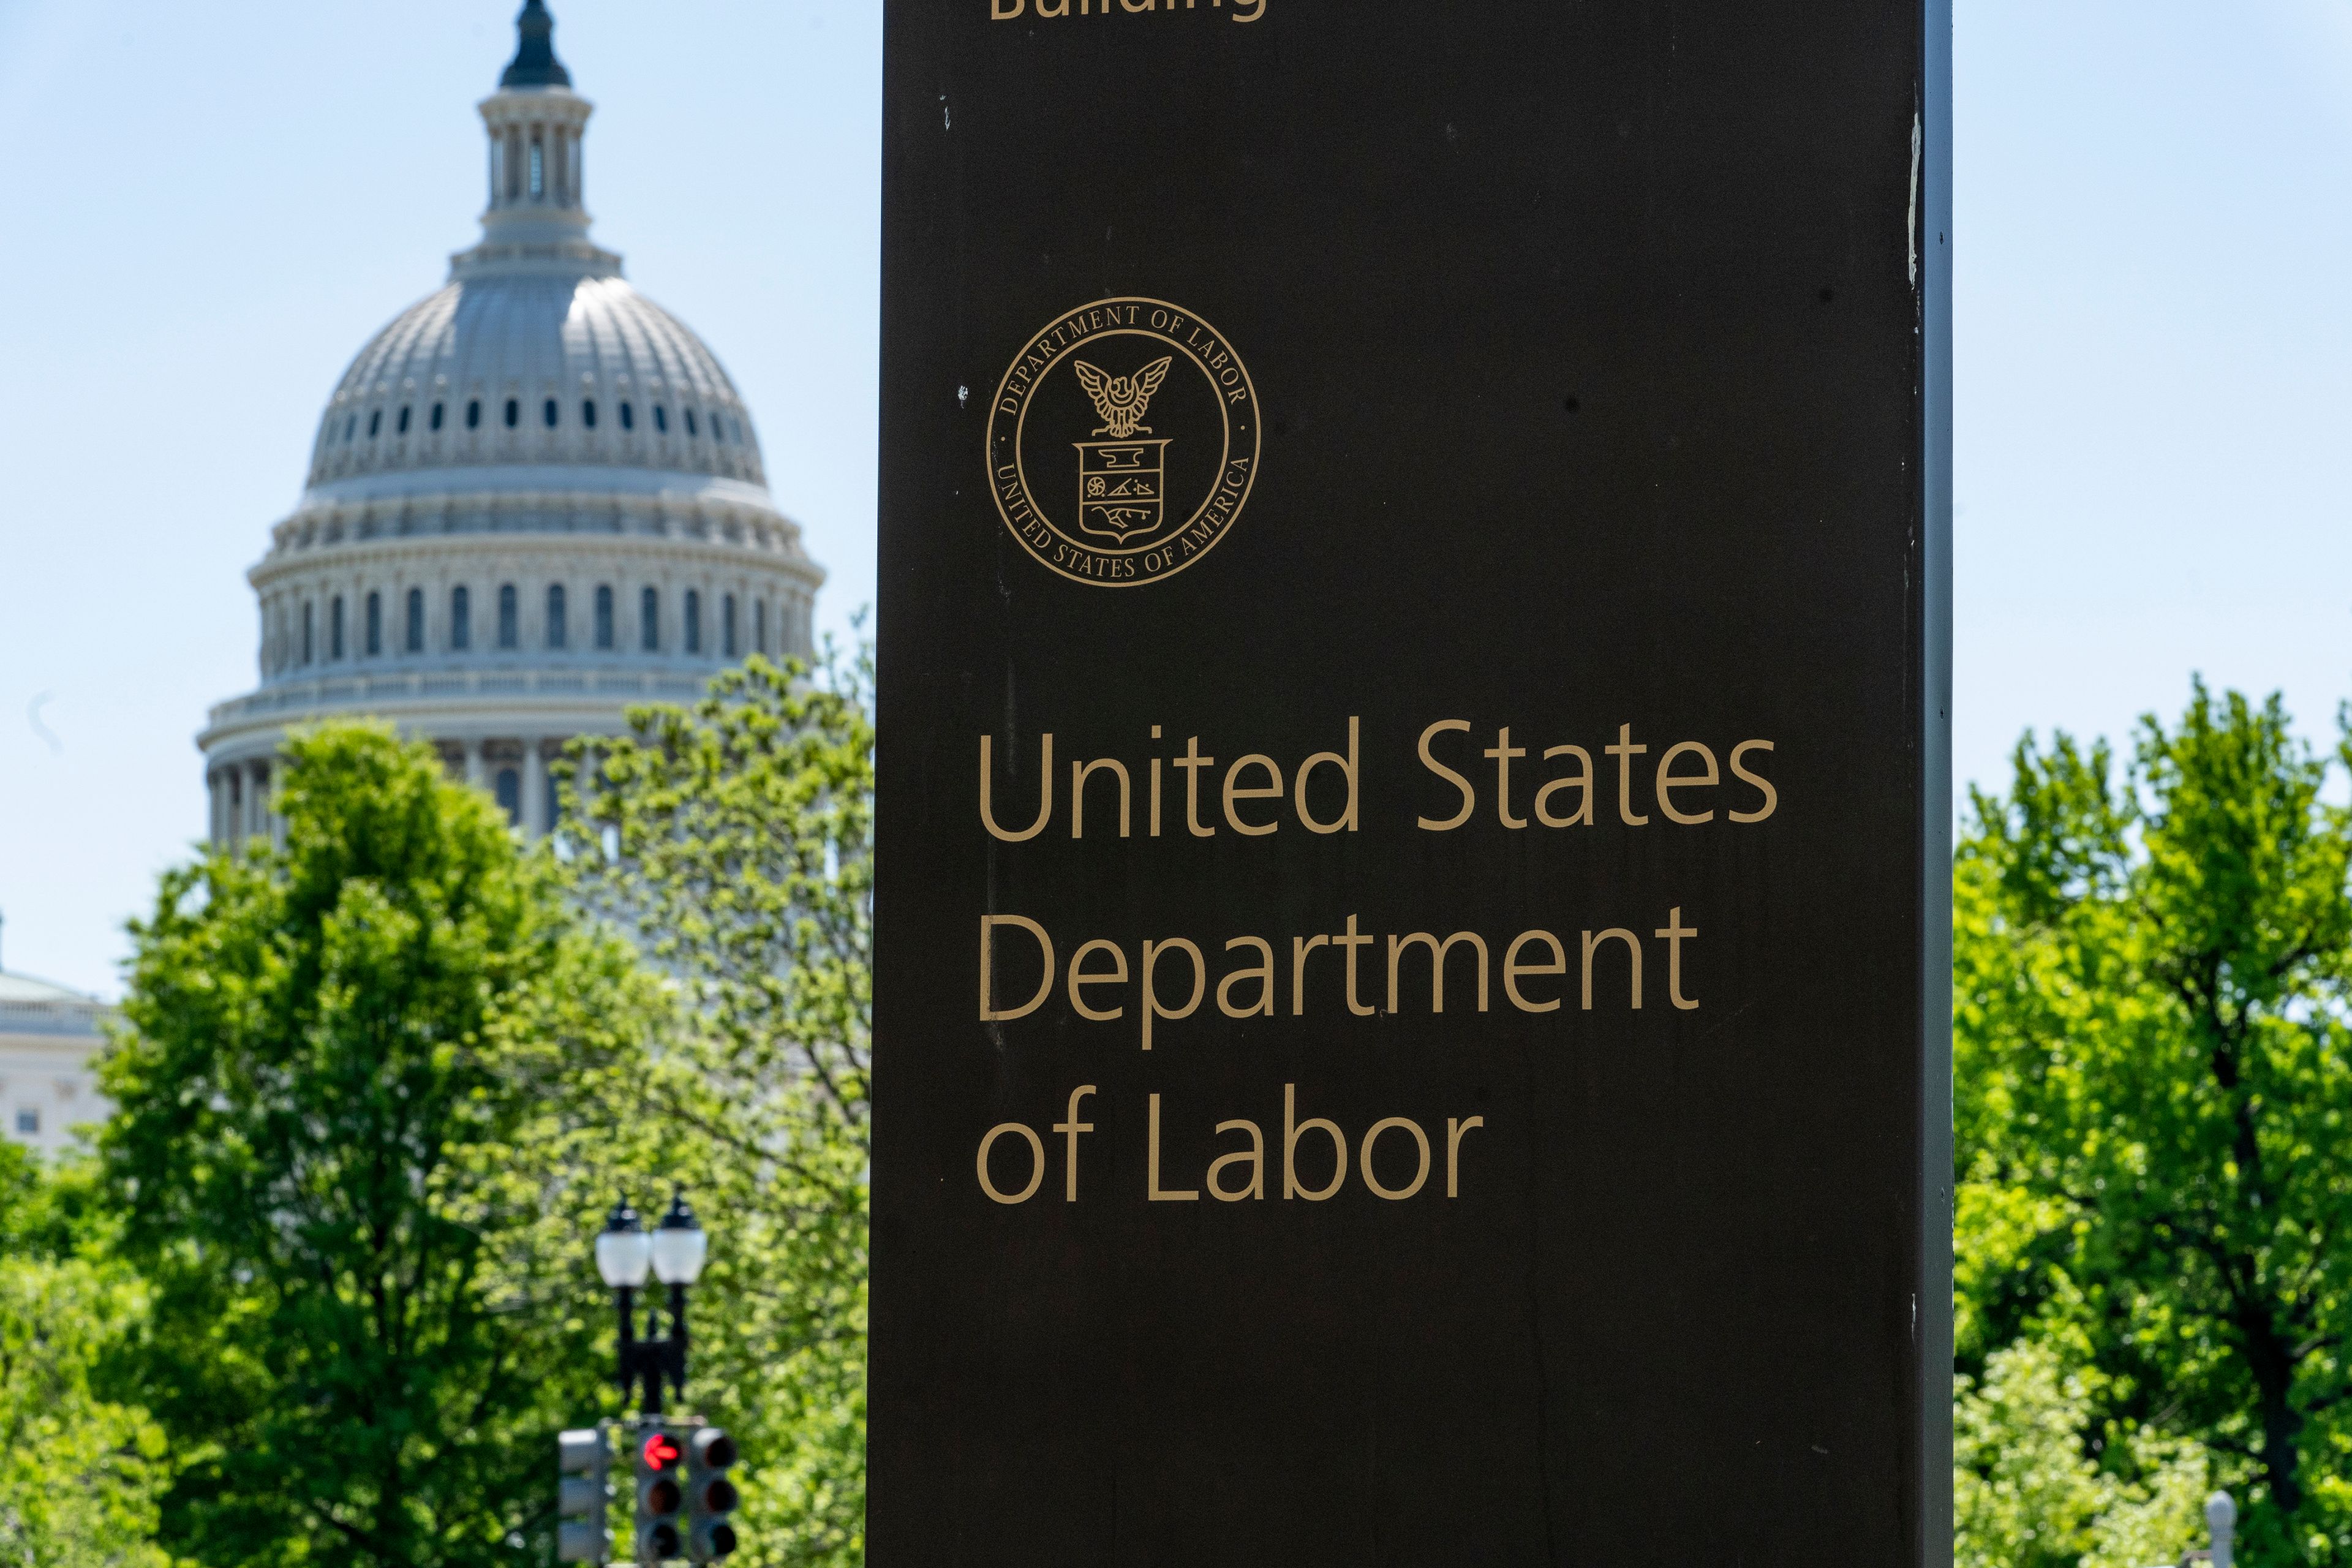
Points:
1413	926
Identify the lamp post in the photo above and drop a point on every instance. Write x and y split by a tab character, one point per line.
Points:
672	1252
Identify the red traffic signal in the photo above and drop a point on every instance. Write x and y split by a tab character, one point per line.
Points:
661	1495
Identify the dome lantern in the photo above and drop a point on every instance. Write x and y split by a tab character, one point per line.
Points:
537	126
535	64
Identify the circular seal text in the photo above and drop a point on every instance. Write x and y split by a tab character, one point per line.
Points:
1123	442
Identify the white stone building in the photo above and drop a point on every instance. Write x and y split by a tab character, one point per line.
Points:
535	499
49	1040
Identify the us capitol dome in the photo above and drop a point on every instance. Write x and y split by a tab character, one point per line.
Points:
534	499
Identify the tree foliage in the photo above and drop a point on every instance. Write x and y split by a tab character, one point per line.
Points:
80	1467
733	842
353	1070
2155	1085
2026	1494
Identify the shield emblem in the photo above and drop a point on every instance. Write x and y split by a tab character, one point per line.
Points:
1121	486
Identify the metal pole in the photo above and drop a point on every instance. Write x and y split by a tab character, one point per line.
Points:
651	1360
676	1346
625	1300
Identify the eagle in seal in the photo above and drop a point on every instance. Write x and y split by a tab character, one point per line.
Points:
1122	400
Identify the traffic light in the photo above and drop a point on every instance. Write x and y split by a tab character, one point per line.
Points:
709	1495
661	1491
583	1463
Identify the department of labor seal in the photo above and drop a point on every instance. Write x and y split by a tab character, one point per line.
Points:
1123	442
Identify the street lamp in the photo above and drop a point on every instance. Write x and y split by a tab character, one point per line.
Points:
674	1253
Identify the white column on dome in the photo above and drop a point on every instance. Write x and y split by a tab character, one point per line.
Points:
473	763
534	791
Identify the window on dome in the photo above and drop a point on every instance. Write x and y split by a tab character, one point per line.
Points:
510	617
308	651
435	422
727	625
473	414
514	412
537	167
335	627
649	620
417	620
693	621
661	419
375	423
461	617
351	427
509	788
554	800
551	413
374	625
760	626
28	1122
588	412
557	632
689	423
401	428
604	617
628	416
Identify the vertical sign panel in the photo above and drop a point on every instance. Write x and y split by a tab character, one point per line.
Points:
1413	917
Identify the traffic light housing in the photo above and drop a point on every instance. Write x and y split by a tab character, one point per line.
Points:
583	1465
710	1496
660	1458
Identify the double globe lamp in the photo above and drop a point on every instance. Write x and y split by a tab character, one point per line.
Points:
672	1252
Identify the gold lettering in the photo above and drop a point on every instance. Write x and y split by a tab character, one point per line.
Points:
1036	1162
1254	1156
1152	1190
1045	791
1292	1131
1263	974
1192	762
1674	932
1300	946
1152	1008
1513	969
1234	791
1592	943
1346	766
1668	782
1351	941
1421	1142
1625	751
1502	752
1397	944
1071	1129
1080	977
1581	784
1454	1132
1771	796
1080	774
1469	795
988	925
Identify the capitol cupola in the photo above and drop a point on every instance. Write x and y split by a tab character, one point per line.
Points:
535	497
537	127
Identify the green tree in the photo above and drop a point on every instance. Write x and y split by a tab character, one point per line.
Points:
80	1469
2026	1494
733	842
354	1076
2155	1085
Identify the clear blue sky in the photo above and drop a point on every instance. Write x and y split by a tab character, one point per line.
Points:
205	210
